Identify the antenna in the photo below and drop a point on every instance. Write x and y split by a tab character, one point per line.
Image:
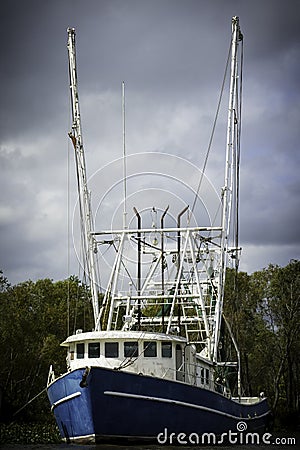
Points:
124	159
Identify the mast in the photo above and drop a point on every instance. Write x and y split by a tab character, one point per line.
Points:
89	243
230	179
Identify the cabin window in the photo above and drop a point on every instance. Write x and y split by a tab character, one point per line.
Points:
166	349
80	350
207	376
111	349
131	349
94	349
179	363
150	349
202	375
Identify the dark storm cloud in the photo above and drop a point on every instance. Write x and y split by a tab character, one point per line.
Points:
32	70
172	56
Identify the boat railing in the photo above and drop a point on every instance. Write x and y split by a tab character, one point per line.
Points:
51	375
157	230
247	400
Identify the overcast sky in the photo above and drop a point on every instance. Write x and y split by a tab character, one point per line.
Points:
171	55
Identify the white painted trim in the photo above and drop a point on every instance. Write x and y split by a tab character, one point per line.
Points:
65	399
179	403
85	439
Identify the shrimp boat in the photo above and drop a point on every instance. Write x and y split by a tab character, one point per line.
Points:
151	366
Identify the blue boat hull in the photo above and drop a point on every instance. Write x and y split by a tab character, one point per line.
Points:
116	405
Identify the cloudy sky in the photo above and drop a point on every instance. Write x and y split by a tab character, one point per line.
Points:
171	55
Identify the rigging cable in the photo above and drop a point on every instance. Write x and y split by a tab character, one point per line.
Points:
83	248
239	151
68	226
212	134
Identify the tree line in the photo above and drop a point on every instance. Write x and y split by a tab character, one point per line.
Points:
263	310
35	317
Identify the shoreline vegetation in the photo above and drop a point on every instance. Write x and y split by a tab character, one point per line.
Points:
263	310
29	433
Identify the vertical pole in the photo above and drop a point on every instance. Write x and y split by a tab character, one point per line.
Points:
179	260
179	234
162	267
229	177
139	265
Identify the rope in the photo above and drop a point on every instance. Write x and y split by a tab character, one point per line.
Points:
30	401
129	360
212	133
68	227
239	131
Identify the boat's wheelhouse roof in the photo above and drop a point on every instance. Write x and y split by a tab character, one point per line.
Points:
120	335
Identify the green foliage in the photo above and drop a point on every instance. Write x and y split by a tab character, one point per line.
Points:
263	310
34	320
29	434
